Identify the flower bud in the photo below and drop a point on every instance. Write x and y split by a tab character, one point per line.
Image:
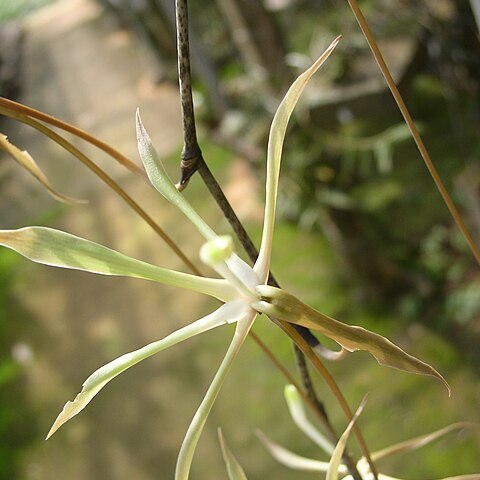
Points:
217	250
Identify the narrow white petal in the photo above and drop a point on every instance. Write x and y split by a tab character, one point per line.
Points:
274	155
297	412
335	460
292	460
95	382
161	181
60	249
417	442
243	271
234	469
195	429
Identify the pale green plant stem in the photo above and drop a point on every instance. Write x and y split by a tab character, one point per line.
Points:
190	441
105	178
413	129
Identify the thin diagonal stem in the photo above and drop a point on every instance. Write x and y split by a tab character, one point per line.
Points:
228	212
303	393
108	149
413	129
191	151
105	178
308	399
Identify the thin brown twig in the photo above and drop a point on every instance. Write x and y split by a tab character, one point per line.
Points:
413	129
191	152
108	149
310	400
304	394
106	178
228	212
332	384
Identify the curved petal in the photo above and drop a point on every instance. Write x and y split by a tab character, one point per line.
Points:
61	249
280	304
335	461
94	383
195	429
297	412
292	460
218	253
234	469
274	156
417	442
161	181
23	158
243	271
332	355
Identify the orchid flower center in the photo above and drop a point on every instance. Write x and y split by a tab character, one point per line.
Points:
219	254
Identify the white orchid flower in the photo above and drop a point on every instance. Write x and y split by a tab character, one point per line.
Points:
243	289
335	468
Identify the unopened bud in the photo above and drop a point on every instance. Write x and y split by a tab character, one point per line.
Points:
217	250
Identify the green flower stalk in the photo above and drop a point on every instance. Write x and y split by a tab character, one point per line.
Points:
241	288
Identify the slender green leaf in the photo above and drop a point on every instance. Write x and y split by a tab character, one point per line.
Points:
417	442
95	382
234	469
336	459
284	306
161	181
23	158
195	429
297	412
292	460
274	156
61	249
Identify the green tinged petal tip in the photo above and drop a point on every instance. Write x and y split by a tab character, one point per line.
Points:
280	304
234	469
274	156
95	382
161	181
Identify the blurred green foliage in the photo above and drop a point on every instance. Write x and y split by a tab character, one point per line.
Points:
17	427
15	9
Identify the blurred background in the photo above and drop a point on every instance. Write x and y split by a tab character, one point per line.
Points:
362	233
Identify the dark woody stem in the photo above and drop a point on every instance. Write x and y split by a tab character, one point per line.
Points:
191	153
191	161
